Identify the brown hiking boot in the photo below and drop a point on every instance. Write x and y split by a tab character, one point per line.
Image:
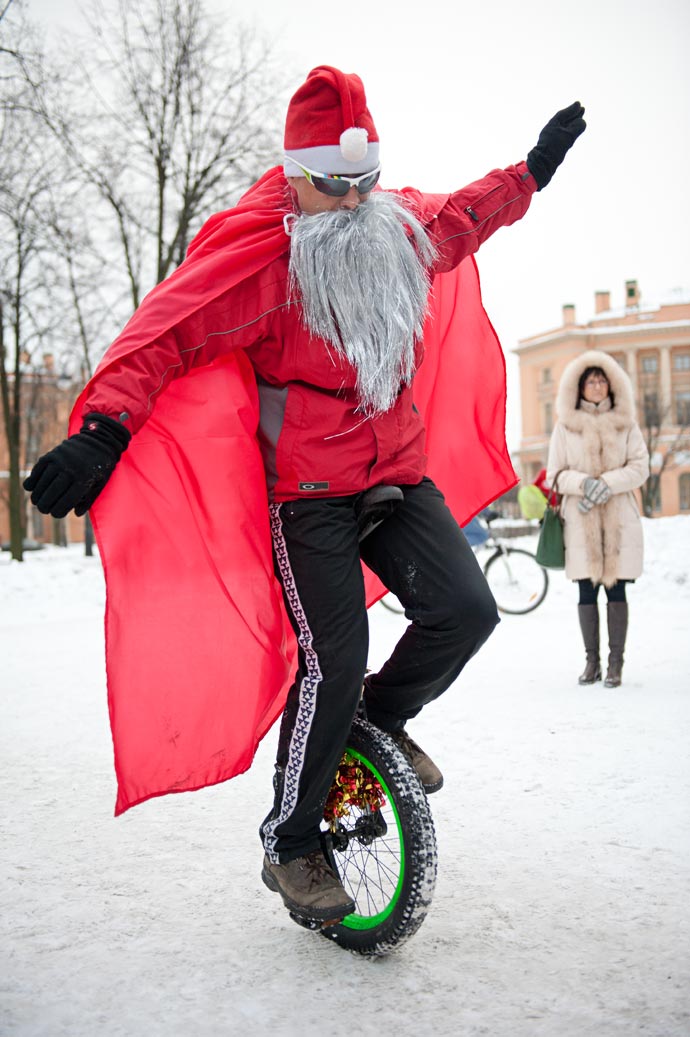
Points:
427	771
309	887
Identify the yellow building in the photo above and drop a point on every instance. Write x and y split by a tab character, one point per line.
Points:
651	343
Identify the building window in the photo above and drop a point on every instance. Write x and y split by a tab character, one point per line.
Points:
684	491
683	408
681	361
650	409
650	365
548	418
546	375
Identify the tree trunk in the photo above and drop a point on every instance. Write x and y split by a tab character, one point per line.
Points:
88	536
59	533
17	521
649	493
10	415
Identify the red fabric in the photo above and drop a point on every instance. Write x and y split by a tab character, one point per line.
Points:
541	484
230	246
198	647
460	390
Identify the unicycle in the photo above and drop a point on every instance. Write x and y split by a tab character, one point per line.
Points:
379	835
378	832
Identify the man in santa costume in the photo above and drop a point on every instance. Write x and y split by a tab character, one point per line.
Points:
299	320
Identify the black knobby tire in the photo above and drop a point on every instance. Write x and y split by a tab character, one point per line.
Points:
530	581
390	871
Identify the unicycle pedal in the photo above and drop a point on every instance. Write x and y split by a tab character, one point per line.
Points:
314	924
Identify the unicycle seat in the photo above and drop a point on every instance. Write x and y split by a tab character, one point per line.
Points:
374	506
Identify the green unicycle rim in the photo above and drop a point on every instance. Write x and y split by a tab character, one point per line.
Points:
363	922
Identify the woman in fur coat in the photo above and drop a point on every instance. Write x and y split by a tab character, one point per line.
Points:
599	455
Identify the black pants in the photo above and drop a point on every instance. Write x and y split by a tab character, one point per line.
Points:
589	592
421	555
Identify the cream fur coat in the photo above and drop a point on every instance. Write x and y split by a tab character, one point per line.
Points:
605	544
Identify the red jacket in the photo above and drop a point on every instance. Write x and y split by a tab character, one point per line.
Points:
312	437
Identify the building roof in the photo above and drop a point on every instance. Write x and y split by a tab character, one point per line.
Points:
638	319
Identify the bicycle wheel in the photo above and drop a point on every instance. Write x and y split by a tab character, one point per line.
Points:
382	841
517	580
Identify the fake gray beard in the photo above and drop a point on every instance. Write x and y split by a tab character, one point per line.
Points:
364	287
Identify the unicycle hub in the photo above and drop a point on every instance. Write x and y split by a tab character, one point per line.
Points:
354	788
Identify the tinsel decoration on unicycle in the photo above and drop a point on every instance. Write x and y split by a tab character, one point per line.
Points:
354	788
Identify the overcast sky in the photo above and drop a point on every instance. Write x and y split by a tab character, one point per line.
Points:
456	89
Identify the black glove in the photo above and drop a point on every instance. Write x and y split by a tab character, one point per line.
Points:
74	473
557	137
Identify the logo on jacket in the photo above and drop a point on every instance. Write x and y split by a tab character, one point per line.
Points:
311	486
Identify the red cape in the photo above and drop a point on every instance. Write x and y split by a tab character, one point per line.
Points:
199	650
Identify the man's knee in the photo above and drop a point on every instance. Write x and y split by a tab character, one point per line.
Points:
467	618
484	619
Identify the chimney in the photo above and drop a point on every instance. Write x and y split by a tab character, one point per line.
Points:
632	295
602	302
568	314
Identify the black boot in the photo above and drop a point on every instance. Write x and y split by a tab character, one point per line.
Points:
617	617
589	625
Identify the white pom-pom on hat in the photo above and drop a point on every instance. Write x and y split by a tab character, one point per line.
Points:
353	143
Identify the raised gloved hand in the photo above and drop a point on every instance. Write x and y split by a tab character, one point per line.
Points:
595	491
557	137
72	474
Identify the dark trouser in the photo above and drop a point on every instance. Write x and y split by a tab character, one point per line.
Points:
421	555
589	592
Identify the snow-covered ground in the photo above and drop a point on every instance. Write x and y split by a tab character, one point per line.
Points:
562	905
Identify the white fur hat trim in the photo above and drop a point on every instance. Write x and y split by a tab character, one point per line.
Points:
353	143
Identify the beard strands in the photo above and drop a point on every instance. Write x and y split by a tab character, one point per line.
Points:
364	288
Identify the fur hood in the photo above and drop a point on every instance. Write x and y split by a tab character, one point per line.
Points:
621	415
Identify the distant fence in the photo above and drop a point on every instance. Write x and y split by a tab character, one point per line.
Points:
507	528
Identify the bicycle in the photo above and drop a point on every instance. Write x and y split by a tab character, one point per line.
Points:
517	581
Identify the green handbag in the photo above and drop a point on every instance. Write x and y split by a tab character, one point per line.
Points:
550	547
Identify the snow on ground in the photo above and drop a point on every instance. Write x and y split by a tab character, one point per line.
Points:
563	828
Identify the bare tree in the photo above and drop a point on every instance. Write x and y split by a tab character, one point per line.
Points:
668	444
166	121
27	173
109	167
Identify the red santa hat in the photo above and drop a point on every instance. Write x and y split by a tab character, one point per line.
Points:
329	127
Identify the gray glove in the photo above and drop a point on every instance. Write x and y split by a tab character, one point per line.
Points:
595	492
